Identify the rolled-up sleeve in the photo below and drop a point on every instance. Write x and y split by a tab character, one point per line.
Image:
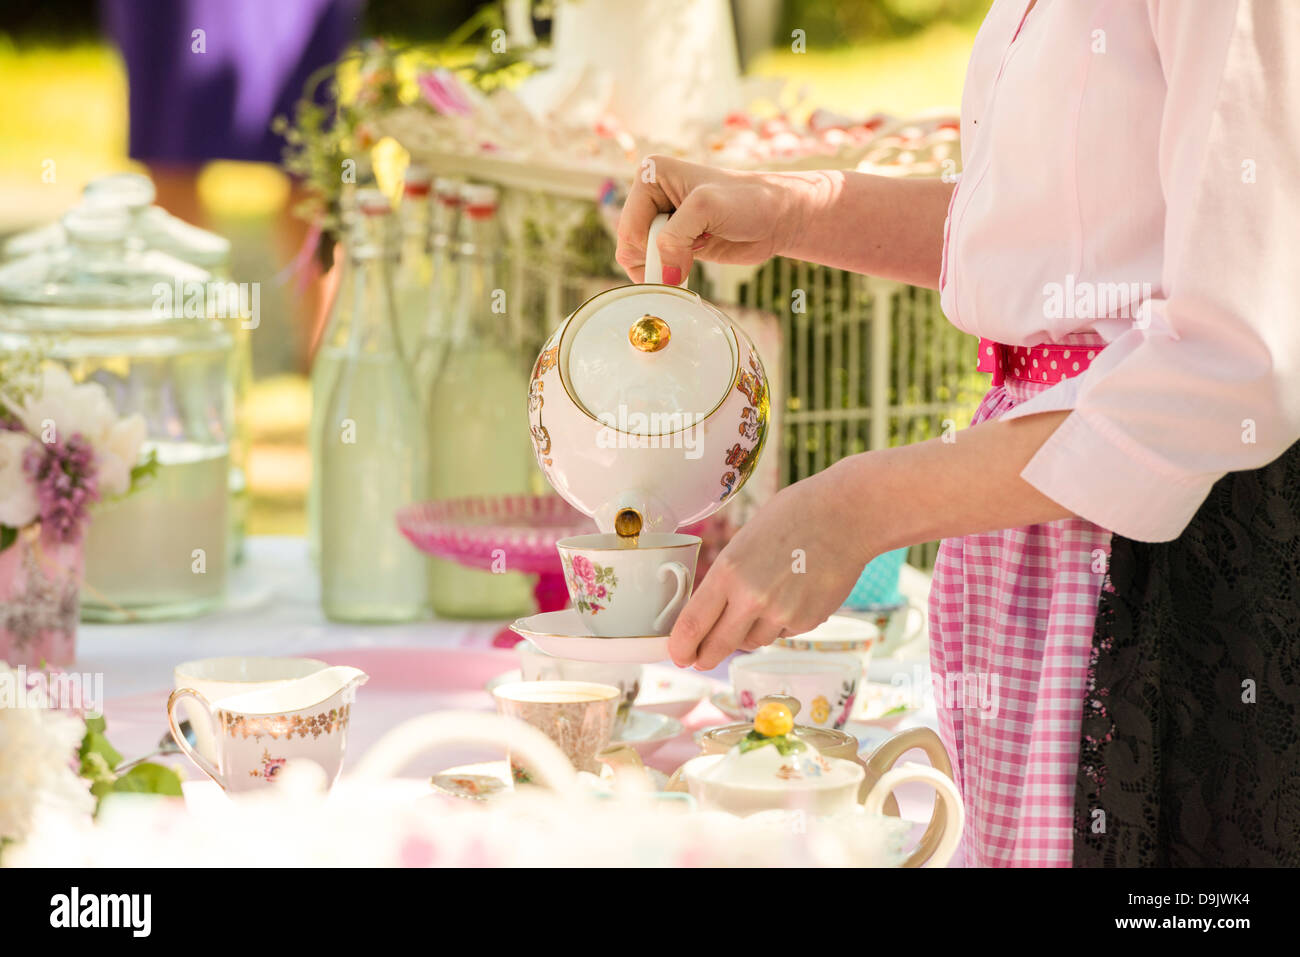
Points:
1207	382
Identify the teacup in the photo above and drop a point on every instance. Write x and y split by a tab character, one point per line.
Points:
838	634
825	684
578	716
537	665
257	733
217	678
623	592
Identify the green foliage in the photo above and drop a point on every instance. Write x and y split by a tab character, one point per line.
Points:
828	23
785	744
144	472
99	759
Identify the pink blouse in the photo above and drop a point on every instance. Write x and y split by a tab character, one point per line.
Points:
1131	169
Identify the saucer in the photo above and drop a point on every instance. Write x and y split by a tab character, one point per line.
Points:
564	635
647	731
474	782
491	781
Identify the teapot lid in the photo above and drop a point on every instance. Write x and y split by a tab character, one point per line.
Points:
649	359
771	755
822	739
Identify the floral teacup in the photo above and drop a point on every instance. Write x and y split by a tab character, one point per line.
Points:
825	684
623	592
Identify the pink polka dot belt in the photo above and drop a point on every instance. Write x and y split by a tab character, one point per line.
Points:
1046	363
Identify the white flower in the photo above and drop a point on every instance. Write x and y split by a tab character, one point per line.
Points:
37	749
62	408
118	453
18	504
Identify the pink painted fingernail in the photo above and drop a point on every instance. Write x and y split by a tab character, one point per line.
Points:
672	275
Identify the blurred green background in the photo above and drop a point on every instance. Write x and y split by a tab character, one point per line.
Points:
63	97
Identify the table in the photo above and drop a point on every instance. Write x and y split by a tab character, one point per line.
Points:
417	667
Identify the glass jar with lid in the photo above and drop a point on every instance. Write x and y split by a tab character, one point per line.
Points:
152	227
139	322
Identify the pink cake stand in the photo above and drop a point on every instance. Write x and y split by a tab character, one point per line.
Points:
524	527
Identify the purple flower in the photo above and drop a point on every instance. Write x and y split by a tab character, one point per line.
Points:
63	473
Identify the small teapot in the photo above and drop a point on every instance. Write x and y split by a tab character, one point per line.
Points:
824	776
648	407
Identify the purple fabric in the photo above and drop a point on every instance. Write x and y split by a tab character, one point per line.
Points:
189	107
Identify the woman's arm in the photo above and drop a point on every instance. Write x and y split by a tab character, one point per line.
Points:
892	228
870	224
796	560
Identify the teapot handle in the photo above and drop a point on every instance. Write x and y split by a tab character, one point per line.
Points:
946	799
882	760
654	268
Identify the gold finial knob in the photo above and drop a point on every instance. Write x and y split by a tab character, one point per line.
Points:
649	334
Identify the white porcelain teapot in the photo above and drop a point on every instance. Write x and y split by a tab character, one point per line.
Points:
648	407
772	769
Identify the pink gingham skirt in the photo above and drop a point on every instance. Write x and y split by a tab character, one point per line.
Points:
1012	614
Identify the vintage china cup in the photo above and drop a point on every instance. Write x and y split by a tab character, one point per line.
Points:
623	592
578	716
537	665
217	678
838	634
648	407
825	685
258	732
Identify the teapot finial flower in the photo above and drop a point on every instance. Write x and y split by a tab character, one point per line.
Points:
774	719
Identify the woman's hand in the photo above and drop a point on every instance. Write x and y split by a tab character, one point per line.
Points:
880	225
719	215
795	561
785	572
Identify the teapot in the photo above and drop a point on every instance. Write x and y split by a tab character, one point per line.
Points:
648	407
826	776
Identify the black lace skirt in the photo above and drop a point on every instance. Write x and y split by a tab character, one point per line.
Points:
1191	727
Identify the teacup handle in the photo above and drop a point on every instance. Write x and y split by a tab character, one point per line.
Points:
192	753
954	816
683	576
654	269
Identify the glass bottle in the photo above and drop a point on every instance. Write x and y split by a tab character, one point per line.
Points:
431	347
373	454
415	270
325	364
478	440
